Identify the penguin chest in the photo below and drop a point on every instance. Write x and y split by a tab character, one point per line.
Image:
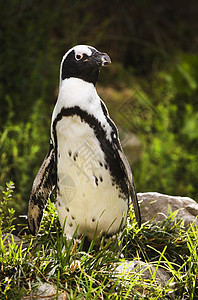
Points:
87	197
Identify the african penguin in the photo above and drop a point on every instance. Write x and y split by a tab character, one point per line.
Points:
85	163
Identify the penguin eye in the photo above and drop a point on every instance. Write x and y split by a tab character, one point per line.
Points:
78	56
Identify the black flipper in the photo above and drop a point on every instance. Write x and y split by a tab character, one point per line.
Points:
129	177
132	191
43	185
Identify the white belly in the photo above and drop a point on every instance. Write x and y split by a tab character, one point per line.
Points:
86	196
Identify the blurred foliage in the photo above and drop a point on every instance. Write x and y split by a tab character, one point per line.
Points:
169	159
7	214
21	146
150	89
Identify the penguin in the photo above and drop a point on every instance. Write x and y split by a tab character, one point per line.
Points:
85	163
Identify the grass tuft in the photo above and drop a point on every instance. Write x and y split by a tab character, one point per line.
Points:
50	258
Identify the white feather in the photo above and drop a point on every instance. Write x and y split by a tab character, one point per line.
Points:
90	205
77	92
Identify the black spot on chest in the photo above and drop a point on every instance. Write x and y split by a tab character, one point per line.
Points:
96	180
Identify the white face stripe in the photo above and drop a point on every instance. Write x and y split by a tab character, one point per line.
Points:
80	49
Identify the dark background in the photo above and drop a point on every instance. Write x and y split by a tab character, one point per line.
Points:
151	88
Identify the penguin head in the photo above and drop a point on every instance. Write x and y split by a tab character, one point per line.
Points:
83	62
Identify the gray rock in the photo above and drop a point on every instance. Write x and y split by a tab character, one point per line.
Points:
147	271
10	238
157	206
45	291
127	268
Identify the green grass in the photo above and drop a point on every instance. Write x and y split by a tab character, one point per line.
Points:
50	258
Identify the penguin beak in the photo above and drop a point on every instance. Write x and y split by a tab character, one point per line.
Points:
101	59
105	59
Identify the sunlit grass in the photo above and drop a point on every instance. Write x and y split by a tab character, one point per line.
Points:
80	274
